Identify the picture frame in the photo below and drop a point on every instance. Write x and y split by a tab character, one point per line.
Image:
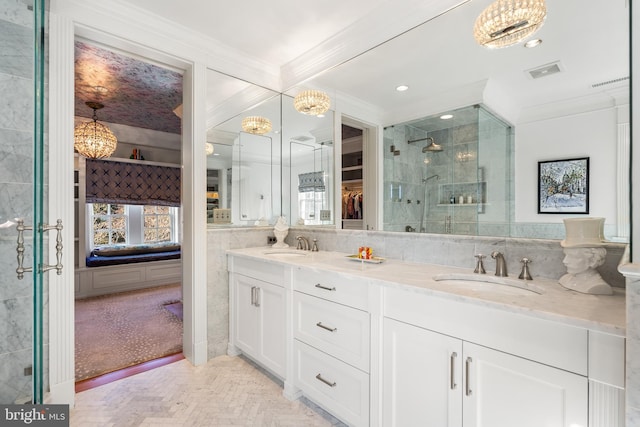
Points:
563	186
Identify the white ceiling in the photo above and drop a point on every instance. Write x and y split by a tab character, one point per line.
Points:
439	60
275	31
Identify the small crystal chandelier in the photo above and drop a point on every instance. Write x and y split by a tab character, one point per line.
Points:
506	22
312	102
256	124
92	139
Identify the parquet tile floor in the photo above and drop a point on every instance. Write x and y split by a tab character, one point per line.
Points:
227	391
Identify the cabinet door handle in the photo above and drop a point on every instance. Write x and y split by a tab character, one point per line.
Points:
318	285
257	303
253	295
453	357
329	383
328	328
467	365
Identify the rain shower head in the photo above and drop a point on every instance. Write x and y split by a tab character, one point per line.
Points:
432	146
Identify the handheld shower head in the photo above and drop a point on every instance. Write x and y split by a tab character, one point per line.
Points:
425	180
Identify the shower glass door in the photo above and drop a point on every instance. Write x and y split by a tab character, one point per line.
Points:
22	197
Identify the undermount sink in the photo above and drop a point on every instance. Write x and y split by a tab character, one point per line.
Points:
483	282
285	253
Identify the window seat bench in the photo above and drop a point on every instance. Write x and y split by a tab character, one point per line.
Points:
128	267
129	254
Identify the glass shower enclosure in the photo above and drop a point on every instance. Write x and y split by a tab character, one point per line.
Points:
449	173
23	295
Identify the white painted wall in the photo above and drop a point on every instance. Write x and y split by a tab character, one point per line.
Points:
591	134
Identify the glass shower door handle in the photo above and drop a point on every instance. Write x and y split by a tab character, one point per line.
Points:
20	248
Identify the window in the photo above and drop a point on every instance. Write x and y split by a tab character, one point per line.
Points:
109	223
157	224
131	224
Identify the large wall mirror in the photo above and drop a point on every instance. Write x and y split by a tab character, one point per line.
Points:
497	113
307	166
243	152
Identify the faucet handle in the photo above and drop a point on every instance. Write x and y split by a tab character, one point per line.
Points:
525	274
299	239
479	264
314	248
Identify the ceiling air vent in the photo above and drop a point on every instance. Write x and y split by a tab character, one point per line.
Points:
545	70
610	82
301	138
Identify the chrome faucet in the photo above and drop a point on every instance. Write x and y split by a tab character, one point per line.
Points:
501	264
479	264
303	243
525	274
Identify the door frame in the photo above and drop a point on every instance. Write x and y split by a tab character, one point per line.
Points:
62	34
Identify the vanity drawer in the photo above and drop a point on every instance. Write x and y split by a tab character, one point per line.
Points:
336	329
347	290
340	388
257	269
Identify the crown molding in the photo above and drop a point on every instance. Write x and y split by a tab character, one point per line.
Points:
118	24
380	25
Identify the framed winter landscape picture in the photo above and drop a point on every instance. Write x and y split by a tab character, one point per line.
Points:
563	186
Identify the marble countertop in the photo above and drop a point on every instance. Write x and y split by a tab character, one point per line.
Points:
603	313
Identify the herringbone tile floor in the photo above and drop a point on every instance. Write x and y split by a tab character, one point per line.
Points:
227	391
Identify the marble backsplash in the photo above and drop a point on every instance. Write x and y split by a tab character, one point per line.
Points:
459	251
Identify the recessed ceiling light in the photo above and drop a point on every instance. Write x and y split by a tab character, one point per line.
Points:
533	43
320	116
446	116
402	88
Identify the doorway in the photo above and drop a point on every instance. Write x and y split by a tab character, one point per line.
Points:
359	197
115	222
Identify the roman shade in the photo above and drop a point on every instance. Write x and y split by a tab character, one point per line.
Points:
312	181
132	183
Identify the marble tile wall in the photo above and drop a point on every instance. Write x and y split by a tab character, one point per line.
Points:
16	123
219	240
633	352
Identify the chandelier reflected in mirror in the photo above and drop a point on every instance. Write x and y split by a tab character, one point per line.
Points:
92	139
312	102
208	148
257	125
507	22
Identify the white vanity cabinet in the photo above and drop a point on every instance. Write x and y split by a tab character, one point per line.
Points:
441	377
331	330
422	377
258	313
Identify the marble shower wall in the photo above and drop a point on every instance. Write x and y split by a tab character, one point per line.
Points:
477	150
16	189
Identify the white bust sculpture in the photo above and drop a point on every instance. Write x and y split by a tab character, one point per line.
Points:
280	230
583	253
582	275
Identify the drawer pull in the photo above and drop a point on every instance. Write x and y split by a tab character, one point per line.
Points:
454	355
468	390
324	287
328	328
329	383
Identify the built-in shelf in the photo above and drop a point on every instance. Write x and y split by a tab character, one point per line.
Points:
455	190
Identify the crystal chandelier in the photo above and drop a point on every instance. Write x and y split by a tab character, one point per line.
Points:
92	139
256	124
506	22
312	102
